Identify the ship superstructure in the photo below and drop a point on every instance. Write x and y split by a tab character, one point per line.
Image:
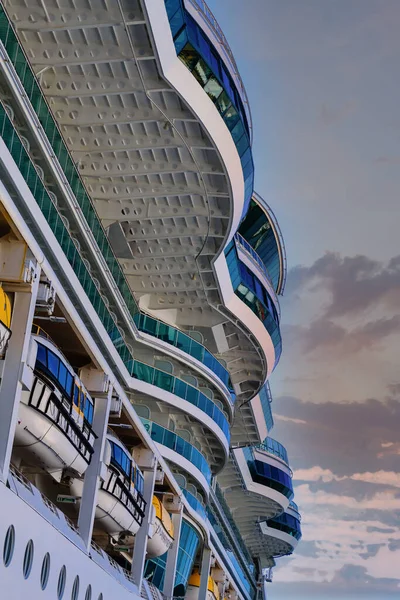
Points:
139	310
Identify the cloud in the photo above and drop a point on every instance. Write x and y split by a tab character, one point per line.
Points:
324	333
340	438
355	283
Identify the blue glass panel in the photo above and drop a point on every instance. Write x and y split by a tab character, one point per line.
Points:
42	355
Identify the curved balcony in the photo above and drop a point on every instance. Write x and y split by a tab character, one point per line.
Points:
286	523
273	447
203	60
195	504
183	390
251	291
261	231
268	475
260	269
182	341
171	440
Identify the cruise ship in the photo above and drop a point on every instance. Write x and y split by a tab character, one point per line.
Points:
140	278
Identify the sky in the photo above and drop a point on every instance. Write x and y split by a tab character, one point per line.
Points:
323	81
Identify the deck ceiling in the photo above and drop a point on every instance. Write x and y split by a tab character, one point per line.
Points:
155	178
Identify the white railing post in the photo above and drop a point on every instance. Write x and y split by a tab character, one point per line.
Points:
14	369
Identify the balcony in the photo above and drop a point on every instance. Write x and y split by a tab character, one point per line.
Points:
273	447
203	60
169	439
182	341
268	475
180	388
251	291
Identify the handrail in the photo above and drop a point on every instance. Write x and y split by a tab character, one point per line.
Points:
278	233
257	259
202	7
170	439
195	503
273	447
183	390
174	336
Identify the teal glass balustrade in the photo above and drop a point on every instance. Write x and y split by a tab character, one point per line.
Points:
168	438
180	388
184	342
203	60
195	504
135	368
50	128
188	544
266	400
239	572
251	290
274	447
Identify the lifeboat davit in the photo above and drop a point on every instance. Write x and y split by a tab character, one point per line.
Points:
192	591
120	504
54	430
162	528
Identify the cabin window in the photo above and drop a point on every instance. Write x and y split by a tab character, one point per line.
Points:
88	411
121	459
52	363
62	375
41	355
76	395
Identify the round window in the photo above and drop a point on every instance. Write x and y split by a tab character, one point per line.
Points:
28	559
75	589
45	572
8	548
61	582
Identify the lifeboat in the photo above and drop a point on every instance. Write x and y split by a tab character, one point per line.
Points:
5	321
120	504
162	528
192	592
54	427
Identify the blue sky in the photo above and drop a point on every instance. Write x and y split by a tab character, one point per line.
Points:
322	77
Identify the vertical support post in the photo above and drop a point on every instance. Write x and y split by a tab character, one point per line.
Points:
172	556
140	548
204	573
93	472
16	356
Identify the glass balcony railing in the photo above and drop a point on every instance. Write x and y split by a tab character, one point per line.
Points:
136	369
266	400
268	475
180	388
195	504
204	62
252	292
286	523
239	572
50	128
168	438
273	447
184	342
244	244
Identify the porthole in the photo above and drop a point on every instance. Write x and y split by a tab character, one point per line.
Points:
75	589
88	595
8	548
100	597
28	559
45	572
61	582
